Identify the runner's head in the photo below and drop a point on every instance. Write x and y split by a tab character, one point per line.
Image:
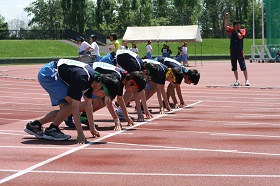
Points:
151	71
109	85
191	76
136	80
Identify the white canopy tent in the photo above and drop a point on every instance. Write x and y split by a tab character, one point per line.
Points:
189	33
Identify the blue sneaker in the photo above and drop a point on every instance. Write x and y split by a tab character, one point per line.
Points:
69	122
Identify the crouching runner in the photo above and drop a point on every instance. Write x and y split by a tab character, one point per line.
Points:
134	81
66	81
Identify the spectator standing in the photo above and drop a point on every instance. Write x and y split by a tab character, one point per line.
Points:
149	50
179	54
124	47
115	44
185	55
164	51
169	51
134	48
95	55
236	49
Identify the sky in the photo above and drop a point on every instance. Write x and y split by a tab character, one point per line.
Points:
13	9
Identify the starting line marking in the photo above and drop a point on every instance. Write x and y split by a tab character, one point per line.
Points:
25	171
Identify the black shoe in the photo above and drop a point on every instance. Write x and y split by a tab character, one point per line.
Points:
69	122
34	129
84	120
55	134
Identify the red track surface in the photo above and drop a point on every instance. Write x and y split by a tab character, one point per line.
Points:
225	136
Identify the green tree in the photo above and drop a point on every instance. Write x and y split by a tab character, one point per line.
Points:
46	14
187	10
146	13
74	14
106	14
3	28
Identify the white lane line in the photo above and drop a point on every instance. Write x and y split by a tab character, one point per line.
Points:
7	119
22	172
14	134
197	149
153	174
257	115
212	133
152	148
221	121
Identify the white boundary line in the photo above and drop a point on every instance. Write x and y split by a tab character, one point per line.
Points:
25	171
153	174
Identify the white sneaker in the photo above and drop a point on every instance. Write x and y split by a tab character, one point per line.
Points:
247	83
236	83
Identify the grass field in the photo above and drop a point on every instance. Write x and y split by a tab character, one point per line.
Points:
35	49
10	49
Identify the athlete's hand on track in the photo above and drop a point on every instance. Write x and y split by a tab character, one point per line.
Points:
81	139
130	122
118	125
161	110
148	114
176	106
182	104
140	117
95	133
168	108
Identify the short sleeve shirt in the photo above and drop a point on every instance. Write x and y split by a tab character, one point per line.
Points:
95	48
149	48
118	73
235	42
78	76
170	63
84	46
162	71
129	61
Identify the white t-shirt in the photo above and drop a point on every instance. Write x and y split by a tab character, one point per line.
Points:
149	48
124	48
135	50
84	46
95	48
185	50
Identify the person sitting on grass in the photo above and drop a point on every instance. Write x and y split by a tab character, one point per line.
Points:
66	81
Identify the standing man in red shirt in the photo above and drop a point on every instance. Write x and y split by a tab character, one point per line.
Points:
236	49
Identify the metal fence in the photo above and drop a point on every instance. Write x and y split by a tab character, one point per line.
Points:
101	34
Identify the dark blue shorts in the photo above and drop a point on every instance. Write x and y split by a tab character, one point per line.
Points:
237	55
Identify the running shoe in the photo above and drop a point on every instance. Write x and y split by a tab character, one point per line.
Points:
121	116
84	119
34	129
69	122
247	83
236	84
55	134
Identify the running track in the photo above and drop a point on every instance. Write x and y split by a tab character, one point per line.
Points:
225	136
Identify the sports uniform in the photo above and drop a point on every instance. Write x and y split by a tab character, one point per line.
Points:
66	78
